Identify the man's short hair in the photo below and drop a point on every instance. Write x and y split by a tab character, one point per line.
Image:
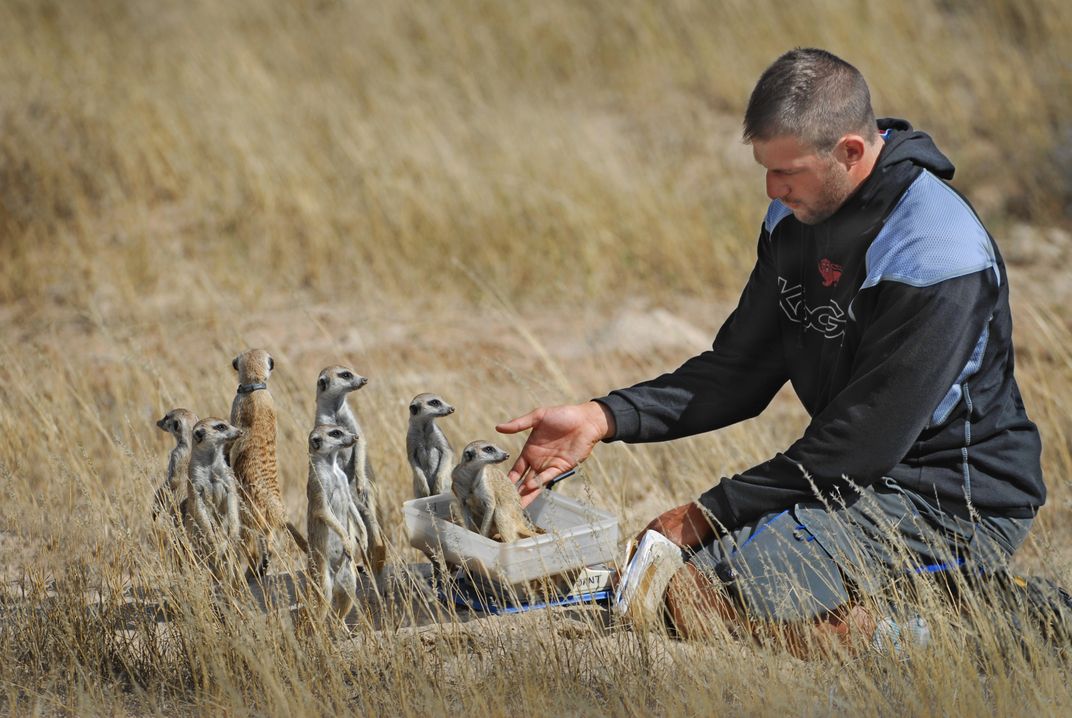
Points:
812	95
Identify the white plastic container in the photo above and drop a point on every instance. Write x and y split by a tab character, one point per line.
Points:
577	536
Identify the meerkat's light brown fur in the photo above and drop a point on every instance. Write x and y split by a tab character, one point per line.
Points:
253	458
487	501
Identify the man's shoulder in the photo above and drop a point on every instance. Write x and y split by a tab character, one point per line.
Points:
931	235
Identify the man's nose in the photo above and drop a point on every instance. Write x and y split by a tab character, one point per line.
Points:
775	188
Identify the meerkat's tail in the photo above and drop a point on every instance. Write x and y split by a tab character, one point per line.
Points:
377	554
298	538
530	531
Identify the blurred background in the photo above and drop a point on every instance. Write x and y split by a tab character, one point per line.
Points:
508	203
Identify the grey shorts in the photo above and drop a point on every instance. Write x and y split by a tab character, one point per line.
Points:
803	562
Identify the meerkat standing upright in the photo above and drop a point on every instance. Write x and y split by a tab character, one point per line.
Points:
488	501
253	458
171	495
332	387
212	517
335	527
429	452
431	458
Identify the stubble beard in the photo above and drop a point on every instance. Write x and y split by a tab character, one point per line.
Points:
835	189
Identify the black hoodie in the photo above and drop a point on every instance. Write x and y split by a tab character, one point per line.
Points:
891	319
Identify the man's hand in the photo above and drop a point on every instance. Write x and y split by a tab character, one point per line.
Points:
561	438
685	525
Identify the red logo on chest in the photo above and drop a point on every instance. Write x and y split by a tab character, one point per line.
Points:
830	272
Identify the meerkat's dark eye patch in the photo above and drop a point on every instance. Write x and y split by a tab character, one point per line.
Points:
347	375
199	435
175	426
489	449
436	403
220	427
470	455
234	363
335	434
414	409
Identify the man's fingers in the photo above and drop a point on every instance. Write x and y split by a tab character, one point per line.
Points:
535	482
518	470
547	475
529	494
521	423
540	479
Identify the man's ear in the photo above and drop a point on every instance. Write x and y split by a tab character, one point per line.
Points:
850	149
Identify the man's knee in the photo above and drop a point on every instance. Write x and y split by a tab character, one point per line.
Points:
697	604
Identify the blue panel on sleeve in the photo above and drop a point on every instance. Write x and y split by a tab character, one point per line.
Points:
930	236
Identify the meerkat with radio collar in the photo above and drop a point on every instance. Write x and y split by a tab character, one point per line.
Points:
253	458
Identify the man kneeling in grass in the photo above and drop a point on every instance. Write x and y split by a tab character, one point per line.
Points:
879	294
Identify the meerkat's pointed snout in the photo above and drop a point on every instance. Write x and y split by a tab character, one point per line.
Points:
162	424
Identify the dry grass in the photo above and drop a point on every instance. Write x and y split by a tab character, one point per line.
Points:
502	203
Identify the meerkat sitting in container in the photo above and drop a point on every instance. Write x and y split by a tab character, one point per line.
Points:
212	503
487	501
335	528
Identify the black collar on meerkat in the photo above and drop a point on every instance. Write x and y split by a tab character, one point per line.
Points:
250	388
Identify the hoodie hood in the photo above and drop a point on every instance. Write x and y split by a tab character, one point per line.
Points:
905	152
903	144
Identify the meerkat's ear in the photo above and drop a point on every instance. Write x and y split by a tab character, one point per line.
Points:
271	363
314	443
414	409
234	362
469	455
322	383
199	435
